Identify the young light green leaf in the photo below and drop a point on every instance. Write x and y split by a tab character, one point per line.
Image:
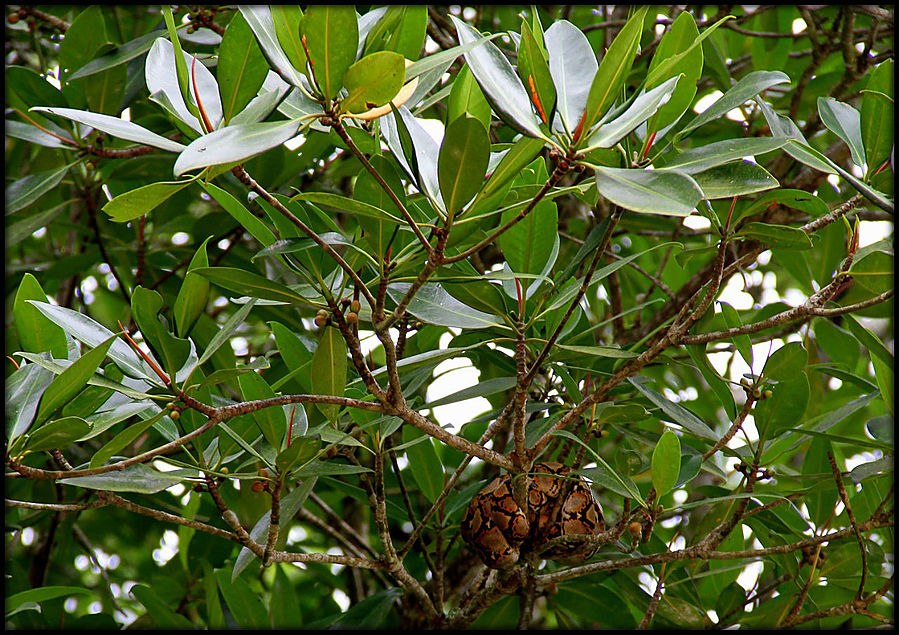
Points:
786	362
372	81
36	333
136	203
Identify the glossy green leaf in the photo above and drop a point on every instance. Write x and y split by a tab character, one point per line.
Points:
373	81
117	127
526	245
784	409
498	80
57	434
380	231
328	370
70	382
36	333
844	121
604	475
666	462
432	304
136	203
666	192
271	421
240	213
332	35
613	70
170	351
677	413
874	272
241	67
719	386
348	205
510	166
251	284
466	98
124	438
192	296
119	55
43	594
881	358
743	342
465	143
425	465
24	388
245	606
793	199
235	144
228	328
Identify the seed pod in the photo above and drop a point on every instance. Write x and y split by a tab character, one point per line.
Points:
352	318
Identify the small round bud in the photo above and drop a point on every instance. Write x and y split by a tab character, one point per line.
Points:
257	486
635	527
225	470
352	318
13	18
355	306
768	394
174	415
262	472
320	320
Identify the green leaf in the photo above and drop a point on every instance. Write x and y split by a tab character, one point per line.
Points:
328	370
25	191
680	38
465	143
874	272
793	199
367	190
228	329
533	69
266	25
720	387
70	382
57	434
192	296
743	342
348	205
136	203
36	333
241	214
498	80
881	358
251	284
290	505
665	192
748	87
171	351
425	465
784	409
373	81
124	438
24	388
642	108
721	152
241	67
666	462
42	594
466	98
162	615
510	166
677	413
844	121
332	36
786	362
271	421
432	304
117	127
287	19
776	235
734	179
119	55
235	144
877	115
613	69
604	474
138	478
572	65
481	389
162	75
